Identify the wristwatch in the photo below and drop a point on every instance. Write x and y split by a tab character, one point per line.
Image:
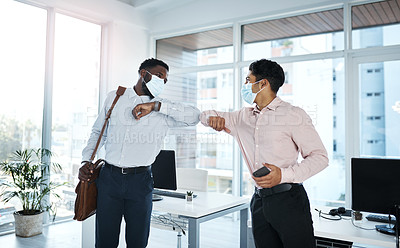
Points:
157	106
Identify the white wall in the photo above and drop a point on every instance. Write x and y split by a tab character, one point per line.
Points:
129	46
127	42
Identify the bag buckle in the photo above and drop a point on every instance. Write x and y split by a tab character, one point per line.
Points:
124	171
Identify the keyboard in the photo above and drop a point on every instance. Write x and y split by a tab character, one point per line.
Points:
381	218
170	193
157	197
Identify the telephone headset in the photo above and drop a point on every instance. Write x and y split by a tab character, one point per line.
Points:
336	212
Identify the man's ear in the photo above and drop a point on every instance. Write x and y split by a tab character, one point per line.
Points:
264	83
142	73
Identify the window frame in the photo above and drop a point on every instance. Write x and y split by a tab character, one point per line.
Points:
46	137
351	59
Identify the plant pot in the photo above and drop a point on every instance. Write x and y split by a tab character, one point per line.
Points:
189	198
28	225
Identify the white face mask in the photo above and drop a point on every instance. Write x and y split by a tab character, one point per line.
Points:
155	85
247	92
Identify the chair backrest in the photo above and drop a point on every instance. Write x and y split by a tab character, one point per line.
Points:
192	179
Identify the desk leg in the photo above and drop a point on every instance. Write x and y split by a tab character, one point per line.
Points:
194	233
243	227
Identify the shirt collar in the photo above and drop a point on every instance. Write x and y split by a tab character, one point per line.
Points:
132	93
271	106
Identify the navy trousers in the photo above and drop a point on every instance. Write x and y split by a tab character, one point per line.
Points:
282	220
123	195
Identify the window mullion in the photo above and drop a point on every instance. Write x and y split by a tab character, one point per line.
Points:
237	178
48	90
48	84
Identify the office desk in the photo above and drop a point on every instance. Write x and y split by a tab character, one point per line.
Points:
206	206
344	230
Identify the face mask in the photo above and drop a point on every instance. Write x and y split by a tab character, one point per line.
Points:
247	93
155	85
145	90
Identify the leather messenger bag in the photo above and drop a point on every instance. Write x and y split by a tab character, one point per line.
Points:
86	193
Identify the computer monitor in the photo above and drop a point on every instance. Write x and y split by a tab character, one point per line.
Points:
164	170
375	185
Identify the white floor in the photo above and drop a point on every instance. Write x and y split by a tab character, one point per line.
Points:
219	233
63	235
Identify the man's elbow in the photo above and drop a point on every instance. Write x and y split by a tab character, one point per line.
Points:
197	115
325	160
195	118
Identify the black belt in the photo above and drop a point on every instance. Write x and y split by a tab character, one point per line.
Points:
130	170
276	189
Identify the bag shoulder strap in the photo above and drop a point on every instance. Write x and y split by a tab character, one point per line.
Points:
120	92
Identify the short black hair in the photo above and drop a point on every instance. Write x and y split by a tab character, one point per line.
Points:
152	62
270	70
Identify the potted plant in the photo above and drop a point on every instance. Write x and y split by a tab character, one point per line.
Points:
29	182
189	196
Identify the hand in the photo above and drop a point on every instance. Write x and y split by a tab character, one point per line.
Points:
85	172
270	180
143	109
218	123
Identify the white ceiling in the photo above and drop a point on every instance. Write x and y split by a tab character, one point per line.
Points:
156	6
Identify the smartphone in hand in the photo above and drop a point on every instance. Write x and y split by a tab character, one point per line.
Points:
263	171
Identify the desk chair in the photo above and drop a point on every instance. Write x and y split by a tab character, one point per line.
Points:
188	179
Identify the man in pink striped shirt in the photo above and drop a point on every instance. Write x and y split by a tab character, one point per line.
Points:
271	134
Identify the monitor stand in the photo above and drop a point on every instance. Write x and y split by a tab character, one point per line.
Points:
159	198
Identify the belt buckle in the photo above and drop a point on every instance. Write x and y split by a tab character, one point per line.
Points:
258	192
123	171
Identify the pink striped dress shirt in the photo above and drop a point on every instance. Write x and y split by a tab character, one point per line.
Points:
276	135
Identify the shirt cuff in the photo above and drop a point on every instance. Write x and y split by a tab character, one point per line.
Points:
205	116
287	175
164	107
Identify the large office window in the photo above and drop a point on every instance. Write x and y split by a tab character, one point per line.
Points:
376	24
70	96
203	48
75	98
315	81
201	147
22	65
297	35
215	148
310	85
379	109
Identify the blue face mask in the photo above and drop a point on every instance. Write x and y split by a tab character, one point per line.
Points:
155	85
247	92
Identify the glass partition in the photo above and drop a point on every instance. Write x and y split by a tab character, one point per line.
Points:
75	99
